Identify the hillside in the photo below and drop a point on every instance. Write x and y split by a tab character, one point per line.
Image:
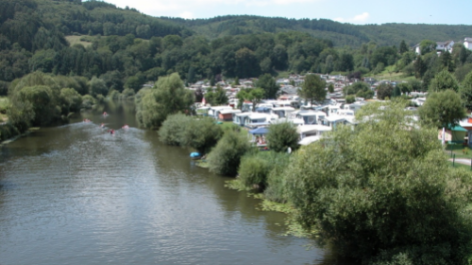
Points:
340	33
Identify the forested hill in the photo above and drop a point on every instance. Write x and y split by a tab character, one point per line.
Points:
340	33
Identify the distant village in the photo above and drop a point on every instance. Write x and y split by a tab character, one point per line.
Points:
312	120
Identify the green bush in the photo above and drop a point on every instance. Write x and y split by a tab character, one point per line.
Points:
87	102
350	99
382	190
276	189
202	134
224	159
281	136
127	93
114	95
173	128
253	171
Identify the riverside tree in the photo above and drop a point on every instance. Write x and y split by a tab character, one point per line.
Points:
466	91
384	191
224	159
168	96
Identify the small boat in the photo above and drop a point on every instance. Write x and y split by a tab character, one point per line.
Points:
102	125
195	155
112	131
86	120
105	114
125	126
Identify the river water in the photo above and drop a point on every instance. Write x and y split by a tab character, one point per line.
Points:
76	194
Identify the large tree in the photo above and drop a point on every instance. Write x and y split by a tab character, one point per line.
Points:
267	82
442	109
442	81
466	91
167	97
383	192
313	89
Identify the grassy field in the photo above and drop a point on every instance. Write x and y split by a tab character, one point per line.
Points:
72	39
389	74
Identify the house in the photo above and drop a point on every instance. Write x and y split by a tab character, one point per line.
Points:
214	112
228	114
311	117
444	46
282	111
311	133
468	43
253	119
467	124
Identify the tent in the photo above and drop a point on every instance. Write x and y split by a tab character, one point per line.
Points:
260	130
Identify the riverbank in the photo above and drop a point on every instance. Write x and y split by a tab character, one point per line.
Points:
17	136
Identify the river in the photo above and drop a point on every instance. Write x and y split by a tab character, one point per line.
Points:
75	194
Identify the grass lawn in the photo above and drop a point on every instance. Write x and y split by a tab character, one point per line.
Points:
72	39
459	151
389	74
459	165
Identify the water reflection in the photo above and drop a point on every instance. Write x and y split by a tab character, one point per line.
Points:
76	194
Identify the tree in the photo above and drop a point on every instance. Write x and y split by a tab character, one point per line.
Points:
313	89
97	86
267	82
168	96
403	47
254	95
427	46
442	109
216	97
404	88
390	194
224	159
420	67
281	136
331	88
447	61
442	81
384	91
466	91
201	134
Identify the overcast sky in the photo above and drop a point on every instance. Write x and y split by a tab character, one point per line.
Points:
350	11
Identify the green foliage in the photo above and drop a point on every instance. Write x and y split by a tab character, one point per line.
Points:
443	109
224	159
169	96
173	129
268	84
331	88
313	89
389	196
427	46
360	89
384	91
350	99
254	95
202	134
216	97
442	81
88	102
281	136
97	86
253	171
71	100
466	91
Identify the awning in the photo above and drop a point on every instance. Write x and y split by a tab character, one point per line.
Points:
260	130
458	128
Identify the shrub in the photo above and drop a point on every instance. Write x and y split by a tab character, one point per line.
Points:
202	134
224	159
87	102
253	171
281	136
173	128
384	189
276	189
350	99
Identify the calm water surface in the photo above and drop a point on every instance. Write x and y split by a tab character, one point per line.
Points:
75	194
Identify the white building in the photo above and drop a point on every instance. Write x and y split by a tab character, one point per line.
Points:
468	43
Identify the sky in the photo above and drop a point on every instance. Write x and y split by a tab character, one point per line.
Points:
346	11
